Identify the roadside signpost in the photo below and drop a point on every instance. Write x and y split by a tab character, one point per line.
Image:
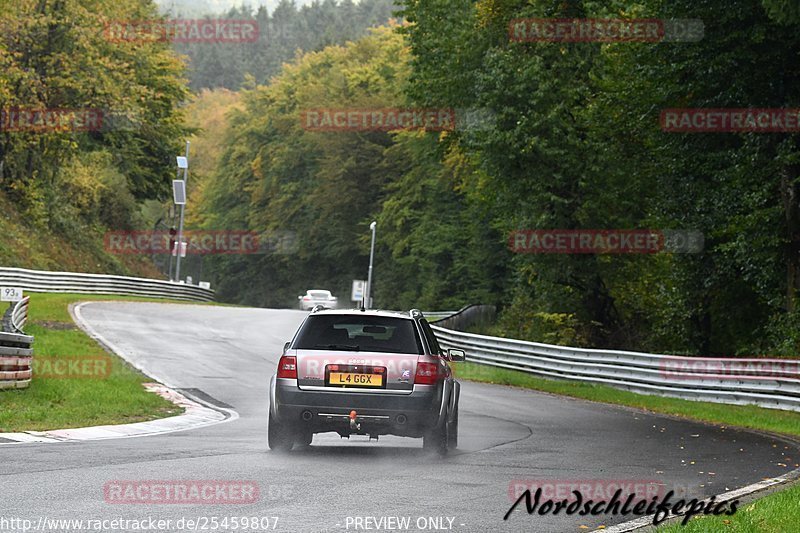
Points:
183	164
359	286
183	247
179	192
10	294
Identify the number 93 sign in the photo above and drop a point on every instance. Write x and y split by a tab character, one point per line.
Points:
10	294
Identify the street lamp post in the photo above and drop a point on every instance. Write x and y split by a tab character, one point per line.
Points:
368	298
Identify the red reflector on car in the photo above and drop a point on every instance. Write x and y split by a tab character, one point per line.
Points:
333	368
427	373
287	367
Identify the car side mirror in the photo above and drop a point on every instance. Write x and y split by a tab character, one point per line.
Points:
286	346
299	297
456	356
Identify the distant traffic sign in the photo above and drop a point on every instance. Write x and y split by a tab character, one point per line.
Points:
179	192
359	287
183	249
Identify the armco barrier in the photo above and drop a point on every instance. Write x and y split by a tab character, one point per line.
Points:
19	315
44	281
16	352
436	316
767	383
466	317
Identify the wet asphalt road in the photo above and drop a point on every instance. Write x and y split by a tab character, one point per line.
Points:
508	437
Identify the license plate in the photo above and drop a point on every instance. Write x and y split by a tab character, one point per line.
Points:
352	379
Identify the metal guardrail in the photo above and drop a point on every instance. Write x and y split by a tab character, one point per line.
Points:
44	281
19	314
435	316
466	317
16	351
772	383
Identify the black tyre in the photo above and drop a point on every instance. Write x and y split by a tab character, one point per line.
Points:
437	439
452	432
280	438
304	438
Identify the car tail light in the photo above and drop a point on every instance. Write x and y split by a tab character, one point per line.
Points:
287	367
427	373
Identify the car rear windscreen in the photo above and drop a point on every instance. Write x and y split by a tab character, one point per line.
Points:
358	333
320	294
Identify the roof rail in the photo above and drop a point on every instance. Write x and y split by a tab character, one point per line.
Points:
318	307
415	313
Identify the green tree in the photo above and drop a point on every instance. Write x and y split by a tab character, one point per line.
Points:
57	55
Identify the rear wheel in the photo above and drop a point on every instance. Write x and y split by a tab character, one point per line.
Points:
280	438
437	439
452	432
304	438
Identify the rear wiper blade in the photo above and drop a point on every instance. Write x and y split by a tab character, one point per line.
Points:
347	347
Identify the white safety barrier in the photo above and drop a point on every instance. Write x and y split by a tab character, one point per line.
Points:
44	281
773	383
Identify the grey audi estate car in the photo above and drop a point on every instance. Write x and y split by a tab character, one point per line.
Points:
365	373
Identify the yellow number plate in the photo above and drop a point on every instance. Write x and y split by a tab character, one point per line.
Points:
349	379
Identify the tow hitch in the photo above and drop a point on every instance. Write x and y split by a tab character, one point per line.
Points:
354	424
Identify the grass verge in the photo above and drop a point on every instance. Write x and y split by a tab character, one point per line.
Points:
97	398
774	513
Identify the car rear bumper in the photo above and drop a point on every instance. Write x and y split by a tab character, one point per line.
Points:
319	411
328	304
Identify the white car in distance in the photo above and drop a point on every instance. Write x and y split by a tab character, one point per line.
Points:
317	297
